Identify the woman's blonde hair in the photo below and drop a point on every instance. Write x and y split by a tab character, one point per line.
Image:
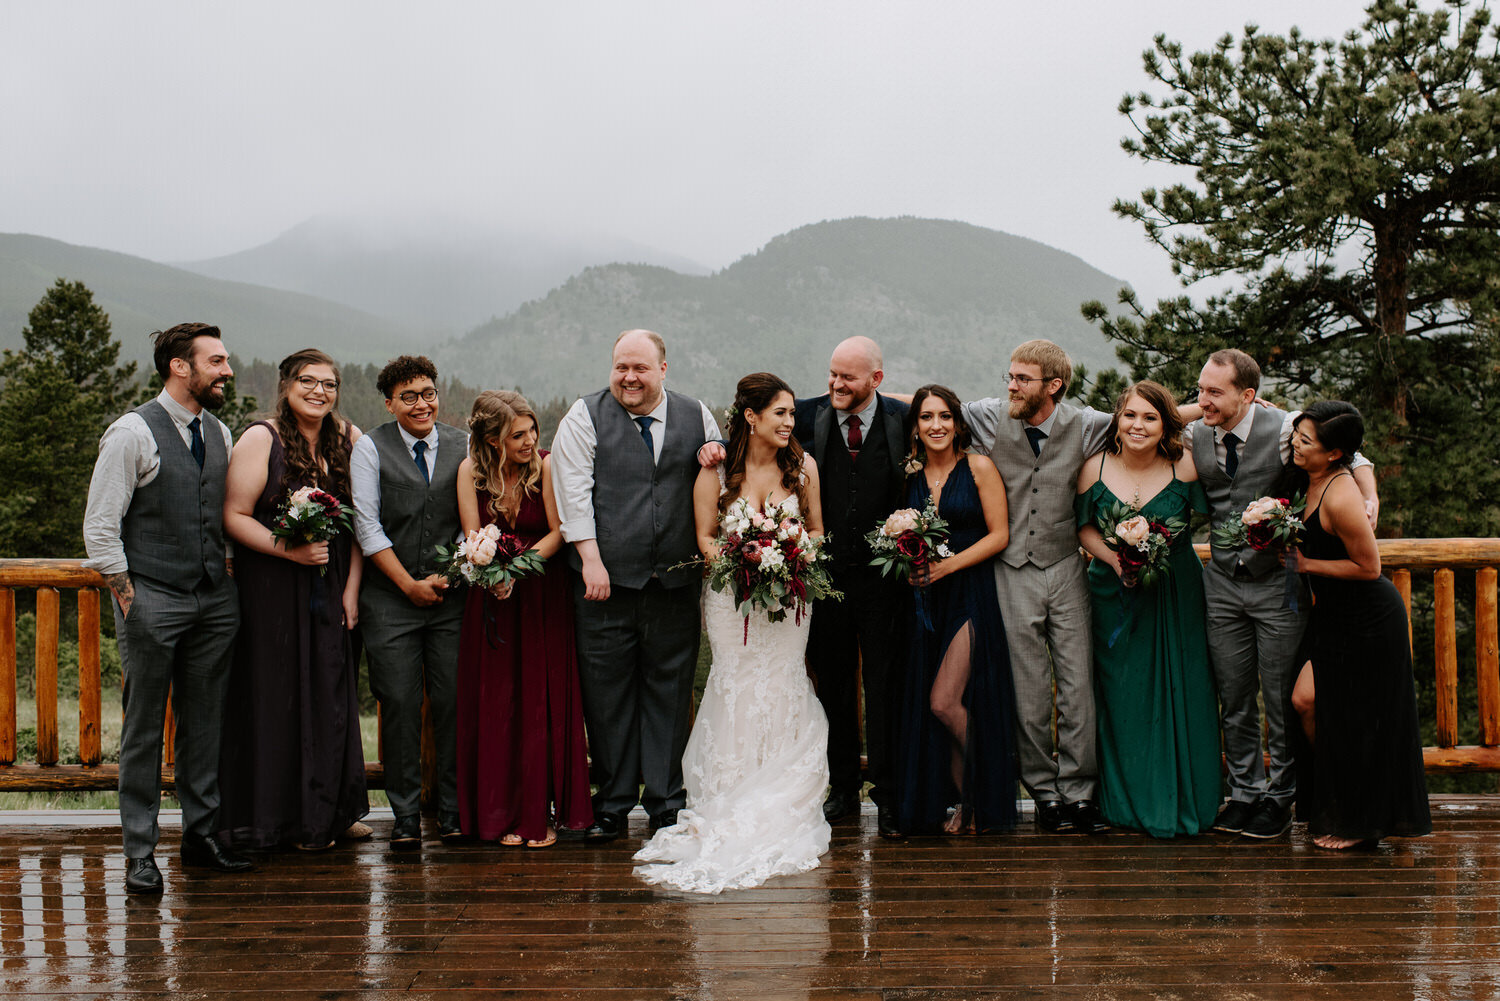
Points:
494	413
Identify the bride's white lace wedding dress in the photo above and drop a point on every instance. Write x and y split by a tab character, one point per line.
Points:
756	764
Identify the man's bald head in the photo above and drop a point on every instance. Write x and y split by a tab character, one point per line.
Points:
854	372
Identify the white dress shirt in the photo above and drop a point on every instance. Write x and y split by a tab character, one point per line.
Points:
573	462
364	484
128	458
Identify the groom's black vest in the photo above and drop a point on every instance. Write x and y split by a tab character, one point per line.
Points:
643	513
857	495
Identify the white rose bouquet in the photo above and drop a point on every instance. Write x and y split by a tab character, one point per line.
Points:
770	561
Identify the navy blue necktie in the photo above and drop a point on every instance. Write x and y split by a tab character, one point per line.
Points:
420	451
196	426
1231	454
1035	436
645	423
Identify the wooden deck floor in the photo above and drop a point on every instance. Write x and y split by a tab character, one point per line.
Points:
1020	916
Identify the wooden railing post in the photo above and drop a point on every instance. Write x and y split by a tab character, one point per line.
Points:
47	602
1402	580
88	677
1445	658
7	676
1487	654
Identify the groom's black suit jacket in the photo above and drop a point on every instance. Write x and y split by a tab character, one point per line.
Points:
855	494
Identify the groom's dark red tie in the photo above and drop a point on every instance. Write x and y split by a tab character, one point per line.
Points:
856	435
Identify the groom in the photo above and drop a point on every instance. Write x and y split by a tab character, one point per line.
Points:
855	434
624	461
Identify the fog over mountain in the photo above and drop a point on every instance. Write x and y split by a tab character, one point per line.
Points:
439	276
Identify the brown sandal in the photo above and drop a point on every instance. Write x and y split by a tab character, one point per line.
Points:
547	842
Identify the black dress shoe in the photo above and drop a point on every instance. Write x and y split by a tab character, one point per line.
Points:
1235	815
142	875
198	849
1053	817
449	828
1087	819
1271	820
664	819
885	822
406	832
840	805
607	827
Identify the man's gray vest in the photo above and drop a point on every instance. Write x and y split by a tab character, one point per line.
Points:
173	531
643	513
1040	489
1260	466
417	516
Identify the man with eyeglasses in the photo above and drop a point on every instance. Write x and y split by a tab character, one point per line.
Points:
404	476
1039	443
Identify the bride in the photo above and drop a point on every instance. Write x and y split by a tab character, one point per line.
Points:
756	764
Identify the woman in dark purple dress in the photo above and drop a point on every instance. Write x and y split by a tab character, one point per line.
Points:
292	771
522	757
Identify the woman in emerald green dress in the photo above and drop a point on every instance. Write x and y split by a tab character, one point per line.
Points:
1153	684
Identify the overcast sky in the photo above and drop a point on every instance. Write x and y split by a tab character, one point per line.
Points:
185	130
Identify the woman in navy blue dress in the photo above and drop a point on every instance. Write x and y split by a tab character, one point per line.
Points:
957	767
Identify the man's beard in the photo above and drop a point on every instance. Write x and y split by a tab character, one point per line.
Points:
205	396
1025	408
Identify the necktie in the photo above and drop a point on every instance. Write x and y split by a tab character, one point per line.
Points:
420	451
856	435
1035	436
1231	454
645	423
196	426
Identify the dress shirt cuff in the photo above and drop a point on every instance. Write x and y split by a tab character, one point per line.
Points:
578	530
107	563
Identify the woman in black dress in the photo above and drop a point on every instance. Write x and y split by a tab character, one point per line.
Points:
1360	775
292	771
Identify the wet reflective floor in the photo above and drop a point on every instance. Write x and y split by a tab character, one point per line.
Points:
1021	916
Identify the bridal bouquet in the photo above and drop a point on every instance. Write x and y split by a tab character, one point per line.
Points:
908	540
489	557
308	514
1142	544
1267	523
769	561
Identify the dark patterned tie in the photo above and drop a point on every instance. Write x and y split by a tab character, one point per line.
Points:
196	426
1231	454
856	435
420	451
1035	436
645	423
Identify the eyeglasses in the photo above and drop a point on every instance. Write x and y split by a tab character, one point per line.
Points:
308	383
410	397
1023	380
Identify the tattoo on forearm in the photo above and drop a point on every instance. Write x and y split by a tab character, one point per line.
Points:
123	589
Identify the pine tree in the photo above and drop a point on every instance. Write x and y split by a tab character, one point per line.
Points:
1352	188
59	393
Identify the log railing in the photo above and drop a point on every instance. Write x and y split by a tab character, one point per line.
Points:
48	578
1400	558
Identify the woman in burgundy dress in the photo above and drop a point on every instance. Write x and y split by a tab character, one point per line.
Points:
292	771
522	758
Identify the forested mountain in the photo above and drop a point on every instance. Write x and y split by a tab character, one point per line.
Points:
141	296
947	301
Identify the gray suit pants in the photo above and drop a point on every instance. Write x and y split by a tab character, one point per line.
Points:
1253	642
637	653
1050	631
414	650
177	641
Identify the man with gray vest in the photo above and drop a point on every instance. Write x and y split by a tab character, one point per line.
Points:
1039	444
624	461
404	477
1240	450
154	528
